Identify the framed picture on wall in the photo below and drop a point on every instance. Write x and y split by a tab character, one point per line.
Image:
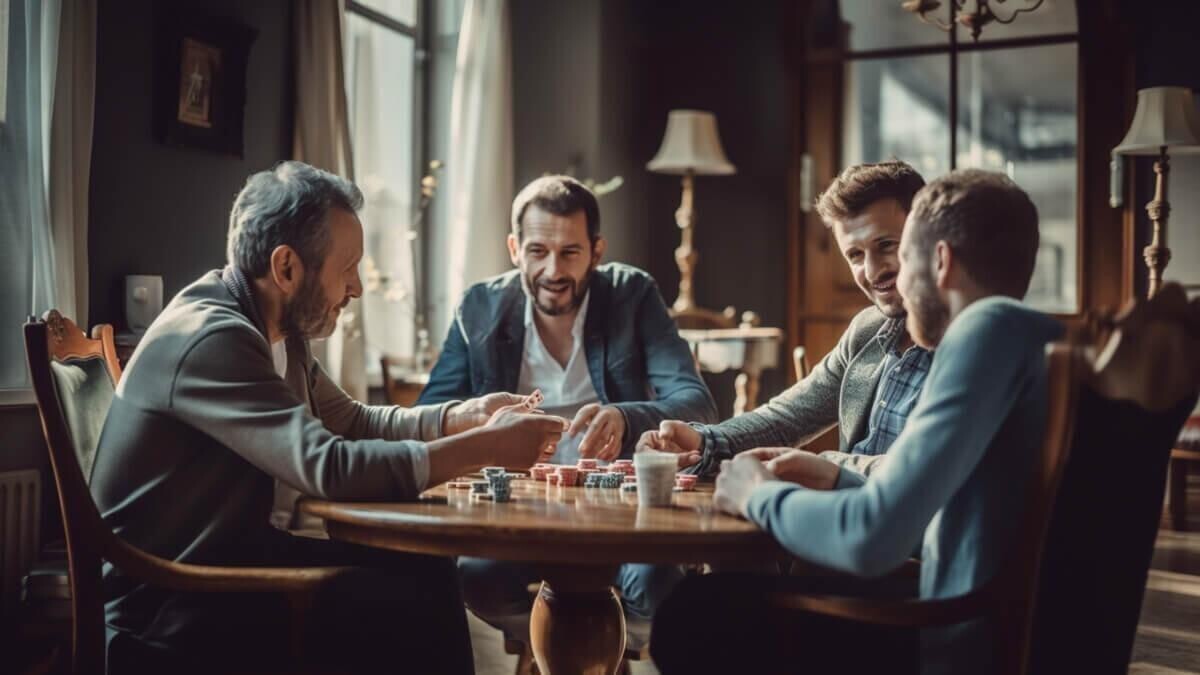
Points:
200	81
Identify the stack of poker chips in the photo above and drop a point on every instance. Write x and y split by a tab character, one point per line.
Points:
624	466
603	480
501	485
480	487
540	471
489	471
566	476
685	481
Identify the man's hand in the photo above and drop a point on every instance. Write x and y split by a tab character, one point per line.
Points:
676	437
797	466
737	480
605	430
477	411
524	438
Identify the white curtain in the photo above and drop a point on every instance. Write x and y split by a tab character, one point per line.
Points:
48	56
70	149
322	139
479	167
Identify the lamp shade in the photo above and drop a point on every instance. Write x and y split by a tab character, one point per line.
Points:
691	144
1165	117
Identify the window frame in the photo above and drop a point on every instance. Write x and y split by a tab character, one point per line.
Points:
1110	238
420	33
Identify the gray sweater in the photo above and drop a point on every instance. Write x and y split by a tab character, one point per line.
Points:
840	390
202	426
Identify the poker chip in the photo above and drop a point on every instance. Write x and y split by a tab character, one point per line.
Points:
629	487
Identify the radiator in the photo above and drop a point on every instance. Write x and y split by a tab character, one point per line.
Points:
20	518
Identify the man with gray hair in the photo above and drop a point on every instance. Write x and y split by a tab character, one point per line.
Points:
222	398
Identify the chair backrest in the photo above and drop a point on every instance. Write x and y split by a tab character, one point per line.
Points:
1101	531
74	378
1013	591
800	362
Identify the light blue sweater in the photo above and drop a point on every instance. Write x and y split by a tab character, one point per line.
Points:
954	480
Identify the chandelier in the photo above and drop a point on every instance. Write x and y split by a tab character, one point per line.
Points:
974	20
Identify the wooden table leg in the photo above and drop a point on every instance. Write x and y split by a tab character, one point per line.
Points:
577	625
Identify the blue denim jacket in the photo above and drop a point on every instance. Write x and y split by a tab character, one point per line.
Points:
635	356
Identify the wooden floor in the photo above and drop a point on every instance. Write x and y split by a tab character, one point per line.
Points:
1168	641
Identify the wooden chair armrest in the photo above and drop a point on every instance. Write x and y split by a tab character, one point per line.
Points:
185	577
1185	454
892	612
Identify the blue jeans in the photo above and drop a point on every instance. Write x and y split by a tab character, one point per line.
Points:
496	591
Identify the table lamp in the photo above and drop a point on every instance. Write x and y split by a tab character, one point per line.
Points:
1166	117
690	147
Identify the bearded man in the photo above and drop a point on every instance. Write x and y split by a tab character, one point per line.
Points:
223	398
598	343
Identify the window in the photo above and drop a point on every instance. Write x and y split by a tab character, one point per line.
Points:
940	101
394	89
27	284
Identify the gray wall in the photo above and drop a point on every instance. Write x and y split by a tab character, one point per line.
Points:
573	107
162	210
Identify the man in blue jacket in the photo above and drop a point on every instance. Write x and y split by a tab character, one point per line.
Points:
597	342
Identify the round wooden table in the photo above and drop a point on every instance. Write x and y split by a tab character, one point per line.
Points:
576	536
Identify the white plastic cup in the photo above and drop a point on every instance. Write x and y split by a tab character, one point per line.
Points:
655	477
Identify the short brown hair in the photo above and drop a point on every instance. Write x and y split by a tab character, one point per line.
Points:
560	195
861	185
988	221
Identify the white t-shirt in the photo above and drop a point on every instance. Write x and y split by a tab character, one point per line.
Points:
566	390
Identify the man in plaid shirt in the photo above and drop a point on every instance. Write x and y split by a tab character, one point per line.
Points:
870	381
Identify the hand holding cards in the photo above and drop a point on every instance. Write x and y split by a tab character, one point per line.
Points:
529	436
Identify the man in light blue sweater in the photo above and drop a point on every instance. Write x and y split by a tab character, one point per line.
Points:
955	479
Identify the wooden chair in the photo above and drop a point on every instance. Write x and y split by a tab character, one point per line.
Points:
1032	603
800	362
74	380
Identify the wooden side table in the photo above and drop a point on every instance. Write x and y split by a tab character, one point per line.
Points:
747	349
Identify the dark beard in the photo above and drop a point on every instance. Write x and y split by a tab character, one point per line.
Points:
928	316
578	292
304	317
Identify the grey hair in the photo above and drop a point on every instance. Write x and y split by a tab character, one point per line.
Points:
286	206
